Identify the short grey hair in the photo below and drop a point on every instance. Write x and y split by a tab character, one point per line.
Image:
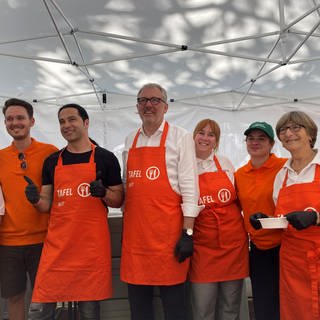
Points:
155	85
301	118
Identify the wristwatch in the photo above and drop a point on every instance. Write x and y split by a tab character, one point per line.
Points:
189	231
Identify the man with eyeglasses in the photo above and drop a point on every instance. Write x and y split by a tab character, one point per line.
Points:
161	203
23	229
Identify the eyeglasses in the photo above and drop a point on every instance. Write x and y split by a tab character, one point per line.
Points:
292	128
154	101
22	158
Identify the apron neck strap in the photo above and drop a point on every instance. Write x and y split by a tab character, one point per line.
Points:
163	136
91	160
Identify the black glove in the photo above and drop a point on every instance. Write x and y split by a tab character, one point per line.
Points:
31	191
302	219
256	224
97	189
184	247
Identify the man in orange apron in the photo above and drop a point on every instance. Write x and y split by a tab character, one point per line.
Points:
78	182
161	203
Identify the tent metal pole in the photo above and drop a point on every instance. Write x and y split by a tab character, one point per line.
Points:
315	34
131	57
283	34
33	38
302	17
62	14
304	40
117	36
34	58
58	31
255	36
246	57
86	72
304	60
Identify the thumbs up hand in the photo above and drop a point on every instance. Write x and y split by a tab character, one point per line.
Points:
31	191
97	189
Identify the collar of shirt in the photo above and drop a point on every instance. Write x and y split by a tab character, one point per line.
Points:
206	163
157	133
315	160
267	164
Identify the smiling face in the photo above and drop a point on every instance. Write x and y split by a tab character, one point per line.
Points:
205	141
258	144
151	115
294	137
73	128
18	122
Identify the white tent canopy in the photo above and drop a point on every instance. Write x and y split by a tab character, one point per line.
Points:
234	61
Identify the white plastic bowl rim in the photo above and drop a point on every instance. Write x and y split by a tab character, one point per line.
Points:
274	223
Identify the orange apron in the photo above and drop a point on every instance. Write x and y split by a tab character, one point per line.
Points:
153	220
300	253
220	241
75	264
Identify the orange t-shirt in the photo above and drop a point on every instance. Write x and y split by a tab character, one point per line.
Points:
254	188
22	224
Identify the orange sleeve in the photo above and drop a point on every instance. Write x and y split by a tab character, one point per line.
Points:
22	224
254	189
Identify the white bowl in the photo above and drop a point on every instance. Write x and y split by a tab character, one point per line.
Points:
274	223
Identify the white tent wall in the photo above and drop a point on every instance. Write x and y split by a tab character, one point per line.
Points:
110	127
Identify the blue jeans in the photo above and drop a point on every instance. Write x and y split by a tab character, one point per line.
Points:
89	310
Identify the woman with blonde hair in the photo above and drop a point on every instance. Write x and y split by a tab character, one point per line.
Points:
220	259
297	196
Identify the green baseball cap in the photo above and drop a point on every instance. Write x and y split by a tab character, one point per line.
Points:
263	126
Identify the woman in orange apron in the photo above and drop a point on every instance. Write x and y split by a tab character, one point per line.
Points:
297	195
220	259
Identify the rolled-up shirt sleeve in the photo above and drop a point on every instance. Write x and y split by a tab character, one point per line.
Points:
188	177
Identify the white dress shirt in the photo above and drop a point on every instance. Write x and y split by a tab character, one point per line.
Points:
208	165
306	175
180	162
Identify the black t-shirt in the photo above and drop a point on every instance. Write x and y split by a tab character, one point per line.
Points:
106	162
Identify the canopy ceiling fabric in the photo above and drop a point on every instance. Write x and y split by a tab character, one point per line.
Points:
226	55
233	61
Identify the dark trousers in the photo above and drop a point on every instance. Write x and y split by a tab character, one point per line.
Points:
173	301
264	275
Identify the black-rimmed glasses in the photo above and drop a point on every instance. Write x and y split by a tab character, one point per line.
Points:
292	128
153	100
22	158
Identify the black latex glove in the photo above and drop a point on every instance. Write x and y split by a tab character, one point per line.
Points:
31	191
184	247
97	189
302	219
256	224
